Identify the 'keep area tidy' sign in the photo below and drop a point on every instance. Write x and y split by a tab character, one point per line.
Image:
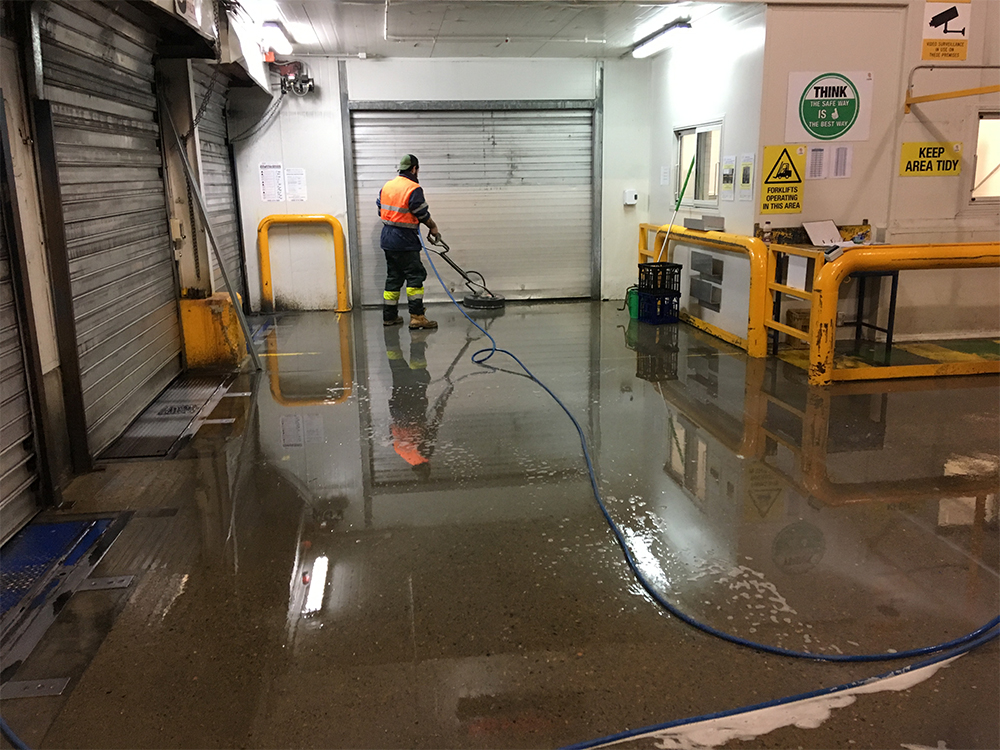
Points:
930	159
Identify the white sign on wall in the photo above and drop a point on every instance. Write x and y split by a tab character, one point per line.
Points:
746	177
946	29
728	190
272	184
834	105
295	183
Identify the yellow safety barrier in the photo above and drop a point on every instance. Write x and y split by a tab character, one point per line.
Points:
755	343
823	318
267	291
816	481
346	371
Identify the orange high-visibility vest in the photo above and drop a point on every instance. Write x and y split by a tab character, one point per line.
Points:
405	443
395	198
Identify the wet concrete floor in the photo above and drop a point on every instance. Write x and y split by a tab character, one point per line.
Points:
380	544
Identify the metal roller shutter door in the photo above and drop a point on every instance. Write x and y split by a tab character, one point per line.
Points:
511	190
217	174
18	463
99	78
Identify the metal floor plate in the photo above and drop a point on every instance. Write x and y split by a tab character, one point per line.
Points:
170	418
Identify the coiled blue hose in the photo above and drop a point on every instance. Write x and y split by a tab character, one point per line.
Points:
482	355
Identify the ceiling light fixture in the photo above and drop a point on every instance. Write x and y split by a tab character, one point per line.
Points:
659	40
276	38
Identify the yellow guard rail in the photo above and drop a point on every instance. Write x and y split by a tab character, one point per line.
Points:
823	319
340	252
755	343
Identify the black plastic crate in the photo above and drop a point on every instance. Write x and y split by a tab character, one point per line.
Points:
660	278
657	308
650	339
655	368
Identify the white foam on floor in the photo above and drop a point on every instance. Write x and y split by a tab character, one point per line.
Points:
805	714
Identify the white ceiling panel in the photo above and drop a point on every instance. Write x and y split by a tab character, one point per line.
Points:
474	28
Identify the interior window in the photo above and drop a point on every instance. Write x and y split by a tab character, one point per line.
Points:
986	183
703	144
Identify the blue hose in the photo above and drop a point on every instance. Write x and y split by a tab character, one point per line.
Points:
634	733
9	735
482	355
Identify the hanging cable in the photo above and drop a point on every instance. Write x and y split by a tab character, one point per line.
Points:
269	114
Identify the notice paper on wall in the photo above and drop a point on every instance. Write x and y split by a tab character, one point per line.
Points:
728	190
295	183
272	186
746	177
829	161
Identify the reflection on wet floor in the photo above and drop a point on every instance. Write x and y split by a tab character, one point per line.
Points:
391	546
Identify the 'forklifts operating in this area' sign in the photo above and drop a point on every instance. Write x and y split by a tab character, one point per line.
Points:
781	191
828	106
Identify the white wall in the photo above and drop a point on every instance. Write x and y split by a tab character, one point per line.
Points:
713	73
888	42
626	166
307	134
406	79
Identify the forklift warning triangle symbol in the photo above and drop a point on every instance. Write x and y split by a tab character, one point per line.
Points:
783	171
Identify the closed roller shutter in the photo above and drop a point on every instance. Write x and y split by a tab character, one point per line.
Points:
18	464
217	174
511	190
99	78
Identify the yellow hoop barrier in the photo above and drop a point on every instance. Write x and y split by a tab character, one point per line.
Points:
340	251
346	375
823	318
755	343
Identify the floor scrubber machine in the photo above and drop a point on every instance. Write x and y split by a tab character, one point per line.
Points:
479	297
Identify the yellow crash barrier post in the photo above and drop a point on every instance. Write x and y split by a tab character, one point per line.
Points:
212	333
756	340
823	319
267	291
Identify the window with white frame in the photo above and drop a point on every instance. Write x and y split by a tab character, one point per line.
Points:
986	183
703	145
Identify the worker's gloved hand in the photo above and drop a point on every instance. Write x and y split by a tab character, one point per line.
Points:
434	238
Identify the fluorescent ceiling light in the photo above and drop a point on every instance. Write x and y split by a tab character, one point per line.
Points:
275	38
659	40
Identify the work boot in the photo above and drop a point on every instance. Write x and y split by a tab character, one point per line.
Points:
420	321
397	321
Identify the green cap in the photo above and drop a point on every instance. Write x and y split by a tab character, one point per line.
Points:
408	162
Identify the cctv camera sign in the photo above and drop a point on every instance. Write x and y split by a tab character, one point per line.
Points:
946	29
828	106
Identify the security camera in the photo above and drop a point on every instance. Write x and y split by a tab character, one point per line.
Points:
942	19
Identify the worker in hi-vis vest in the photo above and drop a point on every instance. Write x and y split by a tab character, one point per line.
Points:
402	208
413	435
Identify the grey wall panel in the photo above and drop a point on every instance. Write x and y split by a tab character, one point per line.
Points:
511	190
99	77
217	173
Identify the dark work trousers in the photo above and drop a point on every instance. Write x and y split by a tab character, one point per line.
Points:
403	266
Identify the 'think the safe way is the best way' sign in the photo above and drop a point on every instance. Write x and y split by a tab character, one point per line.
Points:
834	105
